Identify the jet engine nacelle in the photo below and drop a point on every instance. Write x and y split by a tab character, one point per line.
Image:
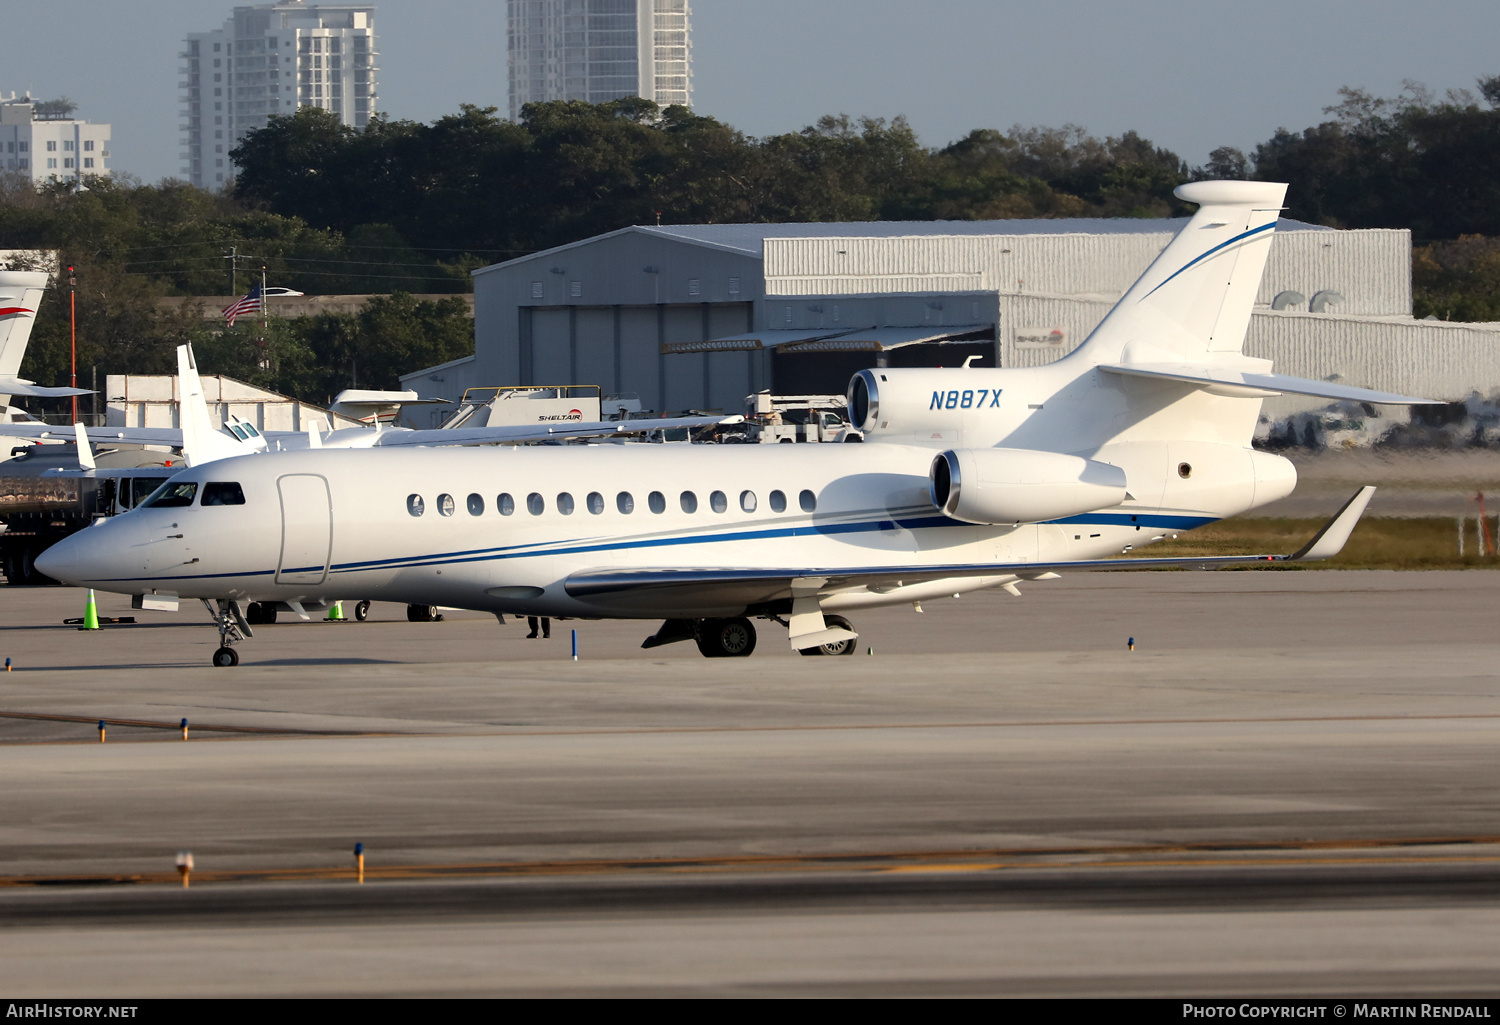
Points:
917	401
1012	485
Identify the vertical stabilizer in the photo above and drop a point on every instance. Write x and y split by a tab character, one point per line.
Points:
1193	303
20	294
201	442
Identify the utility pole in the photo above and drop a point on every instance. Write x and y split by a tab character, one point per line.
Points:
265	356
233	258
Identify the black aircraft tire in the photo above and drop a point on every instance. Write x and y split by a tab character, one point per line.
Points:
837	647
362	611
726	638
259	613
423	614
840	647
226	657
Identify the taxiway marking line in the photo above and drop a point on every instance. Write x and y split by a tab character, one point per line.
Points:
503	730
1252	854
164	725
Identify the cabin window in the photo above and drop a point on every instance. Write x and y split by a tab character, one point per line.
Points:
625	503
565	503
778	501
747	501
689	502
595	503
415	505
445	505
173	496
223	493
657	501
505	504
718	501
535	504
808	501
476	505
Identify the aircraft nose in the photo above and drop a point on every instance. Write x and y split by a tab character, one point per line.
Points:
60	562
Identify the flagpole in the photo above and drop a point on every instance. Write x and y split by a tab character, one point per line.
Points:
73	334
262	297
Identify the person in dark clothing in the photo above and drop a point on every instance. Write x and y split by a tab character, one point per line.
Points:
546	626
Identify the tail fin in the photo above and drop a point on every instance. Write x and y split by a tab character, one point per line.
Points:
201	442
20	294
1193	303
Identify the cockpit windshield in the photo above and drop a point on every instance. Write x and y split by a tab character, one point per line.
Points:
172	495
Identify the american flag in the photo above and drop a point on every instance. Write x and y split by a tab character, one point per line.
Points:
252	303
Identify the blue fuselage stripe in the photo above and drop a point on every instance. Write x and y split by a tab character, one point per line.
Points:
584	547
1241	237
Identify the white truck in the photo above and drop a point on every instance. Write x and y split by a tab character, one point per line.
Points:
784	419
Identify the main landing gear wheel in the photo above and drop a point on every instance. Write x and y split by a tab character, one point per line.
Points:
423	614
725	638
362	611
260	613
844	647
226	657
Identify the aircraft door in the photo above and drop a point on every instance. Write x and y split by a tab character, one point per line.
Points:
306	529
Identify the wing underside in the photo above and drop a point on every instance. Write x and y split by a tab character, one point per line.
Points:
676	589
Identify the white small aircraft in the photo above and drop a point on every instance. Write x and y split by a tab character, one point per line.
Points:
200	441
968	478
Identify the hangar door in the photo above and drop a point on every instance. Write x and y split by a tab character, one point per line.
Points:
306	529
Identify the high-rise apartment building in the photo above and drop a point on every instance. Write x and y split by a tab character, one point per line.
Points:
598	50
272	59
43	139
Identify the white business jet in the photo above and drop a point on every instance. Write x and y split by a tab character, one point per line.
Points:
968	478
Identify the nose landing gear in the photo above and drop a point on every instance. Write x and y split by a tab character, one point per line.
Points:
230	620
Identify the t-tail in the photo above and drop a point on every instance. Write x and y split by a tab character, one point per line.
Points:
1186	318
201	441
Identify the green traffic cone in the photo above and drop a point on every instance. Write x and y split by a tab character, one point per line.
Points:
91	613
336	614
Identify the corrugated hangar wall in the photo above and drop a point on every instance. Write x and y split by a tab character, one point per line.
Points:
597	312
1413	357
618	348
1371	268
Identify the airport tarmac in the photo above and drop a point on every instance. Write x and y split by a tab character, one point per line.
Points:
1286	788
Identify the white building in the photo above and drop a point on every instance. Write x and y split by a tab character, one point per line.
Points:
267	60
599	50
50	147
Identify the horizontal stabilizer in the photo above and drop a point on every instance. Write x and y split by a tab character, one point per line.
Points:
1242	384
16	386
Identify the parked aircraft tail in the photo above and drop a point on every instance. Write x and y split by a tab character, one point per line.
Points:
201	442
1185	320
20	294
1193	303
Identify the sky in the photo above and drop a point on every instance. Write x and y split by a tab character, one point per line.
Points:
1190	75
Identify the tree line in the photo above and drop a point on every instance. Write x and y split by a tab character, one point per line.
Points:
407	207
